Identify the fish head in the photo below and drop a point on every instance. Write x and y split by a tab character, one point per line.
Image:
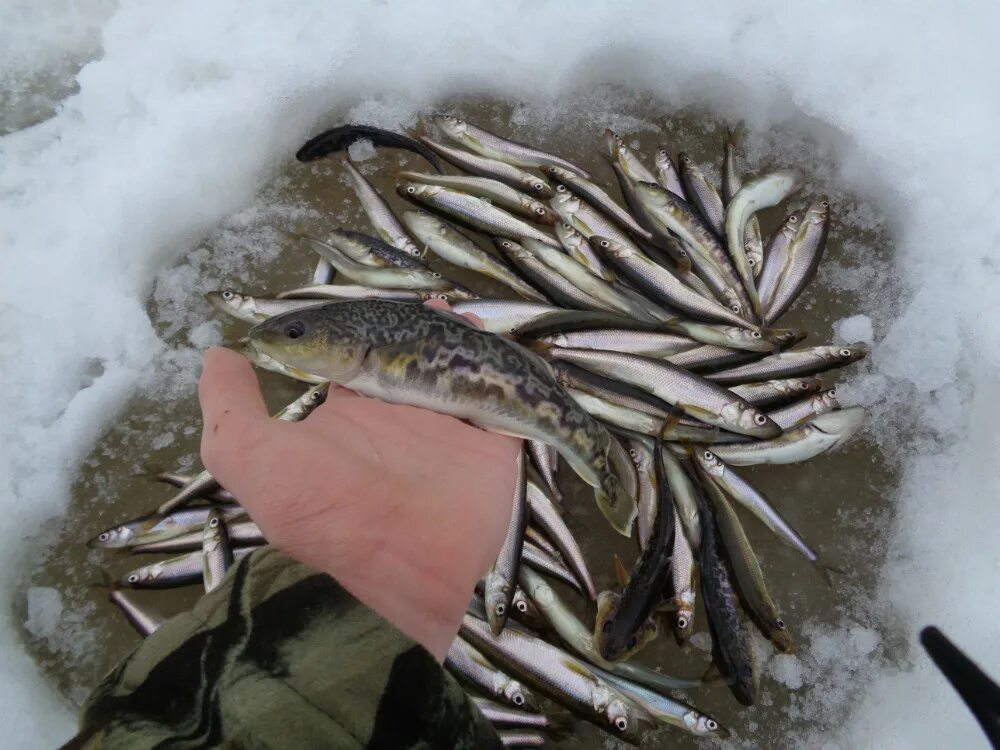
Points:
556	173
625	717
567	233
115	537
733	300
612	141
841	424
450	124
818	212
613	638
565	204
519	695
703	726
662	159
497	595
781	638
141	576
683	619
611	248
512	249
746	339
234	303
850	353
417	190
827	400
739	416
797	386
328	340
526	611
711	463
539	211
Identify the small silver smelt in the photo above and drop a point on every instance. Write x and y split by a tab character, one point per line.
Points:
450	245
241	534
708	357
255	309
759	193
578	275
145	621
798	412
536	537
597	197
494	191
173	572
731	184
641	452
496	147
545	459
557	286
804	255
667	175
498	170
509	717
580	248
465	660
626	158
177	479
504	316
819	435
379	214
703	194
773	393
776	256
501	579
685	500
667	710
561	676
203	482
547	516
356	291
682	578
476	212
152	528
216	551
789	364
647	343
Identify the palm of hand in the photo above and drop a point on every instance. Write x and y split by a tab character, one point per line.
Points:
405	507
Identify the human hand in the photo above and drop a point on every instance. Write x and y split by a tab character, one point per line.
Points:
405	507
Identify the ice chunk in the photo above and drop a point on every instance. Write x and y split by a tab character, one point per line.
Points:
45	610
854	329
787	670
361	150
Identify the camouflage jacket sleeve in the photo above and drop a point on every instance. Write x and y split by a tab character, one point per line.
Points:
280	656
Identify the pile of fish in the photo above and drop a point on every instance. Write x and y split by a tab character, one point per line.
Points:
633	340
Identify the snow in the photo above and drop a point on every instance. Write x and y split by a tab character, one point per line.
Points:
45	610
186	109
361	150
855	328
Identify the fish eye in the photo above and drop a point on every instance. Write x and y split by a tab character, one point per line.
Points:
708	455
540	211
751	262
682	622
500	609
294	330
606	626
793	219
316	396
133	578
561	189
104	536
505	244
511	330
522	607
518	699
736	308
411	190
845	352
633	452
227	295
605	243
825	204
712	724
755	334
435	274
539	186
779	624
760	419
566	226
804	386
832	393
213	523
621	723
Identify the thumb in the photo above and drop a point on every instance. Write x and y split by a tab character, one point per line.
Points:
232	407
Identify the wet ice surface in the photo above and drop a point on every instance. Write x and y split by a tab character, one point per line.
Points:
841	503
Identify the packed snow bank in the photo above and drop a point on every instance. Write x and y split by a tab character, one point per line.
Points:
191	105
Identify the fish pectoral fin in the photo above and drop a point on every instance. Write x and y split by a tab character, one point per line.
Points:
574	666
621	573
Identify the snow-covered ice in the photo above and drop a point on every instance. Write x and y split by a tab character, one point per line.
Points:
186	109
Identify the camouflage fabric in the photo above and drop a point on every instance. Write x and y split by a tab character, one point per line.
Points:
280	656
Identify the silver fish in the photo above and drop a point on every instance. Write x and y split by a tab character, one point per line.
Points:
821	434
386	224
465	660
562	677
216	551
731	184
647	343
596	196
797	363
503	716
520	738
702	193
156	528
495	147
542	275
173	572
776	256
685	500
543	562
546	460
145	621
682	580
696	396
547	516
798	412
579	248
451	245
504	316
253	309
356	291
241	534
641	452
493	168
804	255
761	192
502	576
772	393
667	175
494	191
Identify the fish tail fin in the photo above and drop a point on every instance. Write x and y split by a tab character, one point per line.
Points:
673	419
537	346
734	136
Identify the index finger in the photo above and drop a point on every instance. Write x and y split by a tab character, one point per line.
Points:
232	406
